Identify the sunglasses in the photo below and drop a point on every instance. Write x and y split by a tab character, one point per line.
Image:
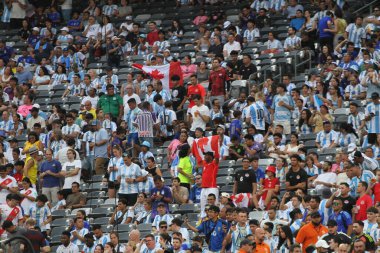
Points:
163	226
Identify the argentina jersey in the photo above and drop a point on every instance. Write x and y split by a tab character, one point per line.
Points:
281	113
116	163
373	110
257	115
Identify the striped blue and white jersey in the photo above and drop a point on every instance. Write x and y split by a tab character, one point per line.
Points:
71	248
58	78
355	34
147	185
166	117
369	228
238	235
6	17
114	79
306	129
326	211
116	163
373	110
162	45
296	225
82	232
257	5
376	152
6	125
257	114
102	240
277	4
164	94
130	118
313	171
366	177
166	217
344	139
355	90
282	113
326	139
132	171
292	42
109	10
356	121
251	35
88	137
143	157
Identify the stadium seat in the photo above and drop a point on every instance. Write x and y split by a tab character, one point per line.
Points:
60	213
101	212
60	222
123	237
144	227
257	215
102	221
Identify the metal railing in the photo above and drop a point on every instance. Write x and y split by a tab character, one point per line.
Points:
369	5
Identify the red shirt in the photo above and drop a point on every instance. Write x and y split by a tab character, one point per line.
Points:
362	204
217	82
18	176
376	192
209	175
192	90
152	37
269	184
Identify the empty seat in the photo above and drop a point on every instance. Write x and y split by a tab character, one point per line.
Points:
102	221
60	222
144	227
142	18
60	213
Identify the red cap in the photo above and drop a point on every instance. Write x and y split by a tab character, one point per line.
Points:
271	169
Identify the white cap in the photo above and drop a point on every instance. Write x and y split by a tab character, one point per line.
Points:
36	106
226	24
65	29
115	38
40	153
36	29
128	18
225	194
351	147
322	244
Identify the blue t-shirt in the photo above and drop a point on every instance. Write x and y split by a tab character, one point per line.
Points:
343	219
323	25
235	128
297	23
166	193
260	174
74	22
55	167
215	231
195	194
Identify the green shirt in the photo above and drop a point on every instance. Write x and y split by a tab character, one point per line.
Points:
187	167
110	104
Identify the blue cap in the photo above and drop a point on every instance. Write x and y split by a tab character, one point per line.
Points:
146	144
94	122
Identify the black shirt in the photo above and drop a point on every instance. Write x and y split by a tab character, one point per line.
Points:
244	180
216	49
295	178
344	238
178	94
132	37
246	71
348	203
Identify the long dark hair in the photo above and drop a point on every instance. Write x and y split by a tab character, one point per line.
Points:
302	121
349	129
288	235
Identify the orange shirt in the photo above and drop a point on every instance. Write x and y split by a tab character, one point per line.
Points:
309	234
262	248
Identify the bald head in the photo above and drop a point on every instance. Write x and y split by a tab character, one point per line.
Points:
134	235
260	234
88	104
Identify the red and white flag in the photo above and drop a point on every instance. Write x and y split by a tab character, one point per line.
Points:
206	144
162	72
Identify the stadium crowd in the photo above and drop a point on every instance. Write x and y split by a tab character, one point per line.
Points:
97	156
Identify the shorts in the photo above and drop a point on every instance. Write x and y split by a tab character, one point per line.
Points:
113	185
133	138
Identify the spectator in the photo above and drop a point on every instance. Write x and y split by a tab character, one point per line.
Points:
50	172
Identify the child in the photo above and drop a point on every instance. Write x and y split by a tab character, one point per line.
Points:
18	175
161	216
216	112
235	127
61	202
145	153
41	213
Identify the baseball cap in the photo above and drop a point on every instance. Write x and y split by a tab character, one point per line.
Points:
161	204
271	169
322	244
36	106
351	147
20	64
146	144
225	194
65	29
142	35
332	223
32	150
375	95
315	215
222	127
358	154
226	24
36	29
94	122
128	18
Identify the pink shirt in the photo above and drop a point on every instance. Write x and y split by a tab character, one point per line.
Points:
187	71
199	20
24	110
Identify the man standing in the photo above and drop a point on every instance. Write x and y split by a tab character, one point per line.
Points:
8	184
245	185
194	89
238	231
247	69
296	178
343	218
160	194
292	42
50	173
130	119
111	103
99	145
282	108
372	117
217	82
145	123
310	233
199	113
178	95
210	170
326	37
363	202
153	34
214	228
356	33
261	246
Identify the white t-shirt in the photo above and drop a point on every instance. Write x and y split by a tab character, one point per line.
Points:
230	47
6	210
197	120
26	203
70	166
11	182
329	177
125	101
93	31
17	11
93	100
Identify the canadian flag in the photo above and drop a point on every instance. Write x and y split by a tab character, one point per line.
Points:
206	144
163	72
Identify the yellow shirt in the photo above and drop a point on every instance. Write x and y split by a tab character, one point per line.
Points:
92	111
187	167
28	145
32	171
